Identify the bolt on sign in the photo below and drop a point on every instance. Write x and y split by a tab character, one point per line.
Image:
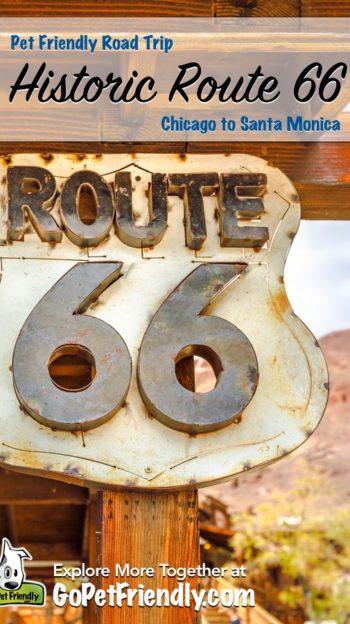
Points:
116	273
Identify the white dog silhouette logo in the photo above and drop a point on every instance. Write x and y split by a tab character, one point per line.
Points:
12	573
14	586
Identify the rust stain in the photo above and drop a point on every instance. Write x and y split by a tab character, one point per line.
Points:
7	158
78	157
83	333
106	358
47	157
308	432
282	302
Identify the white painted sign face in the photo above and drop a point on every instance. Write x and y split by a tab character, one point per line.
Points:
116	273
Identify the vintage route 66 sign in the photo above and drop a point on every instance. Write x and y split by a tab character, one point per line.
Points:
130	266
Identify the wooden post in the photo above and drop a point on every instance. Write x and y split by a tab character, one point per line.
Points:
144	530
90	612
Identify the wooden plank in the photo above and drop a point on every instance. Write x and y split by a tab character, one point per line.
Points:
324	201
145	530
171	8
257	8
3	615
320	172
106	8
21	489
53	551
63	521
215	534
90	612
325	8
11	524
326	161
89	147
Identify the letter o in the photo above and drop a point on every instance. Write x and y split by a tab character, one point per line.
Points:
92	231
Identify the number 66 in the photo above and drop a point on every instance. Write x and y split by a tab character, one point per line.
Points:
56	328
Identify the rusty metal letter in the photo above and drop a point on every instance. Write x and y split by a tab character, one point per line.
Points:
234	186
138	235
55	325
31	190
192	187
178	331
86	233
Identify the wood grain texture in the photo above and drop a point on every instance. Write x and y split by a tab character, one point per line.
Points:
173	8
89	147
325	8
145	529
90	613
106	8
52	551
256	8
319	171
27	490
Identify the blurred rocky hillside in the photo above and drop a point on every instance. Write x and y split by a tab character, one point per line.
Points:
328	448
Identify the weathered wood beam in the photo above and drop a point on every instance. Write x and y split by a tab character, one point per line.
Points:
86	147
146	529
3	616
106	8
21	489
53	551
11	524
324	8
320	172
215	534
257	8
89	531
176	8
282	8
89	554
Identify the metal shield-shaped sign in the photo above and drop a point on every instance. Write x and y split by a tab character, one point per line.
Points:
116	273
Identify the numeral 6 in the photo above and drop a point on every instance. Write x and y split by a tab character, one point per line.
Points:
178	331
56	330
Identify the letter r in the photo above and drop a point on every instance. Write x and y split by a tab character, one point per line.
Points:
31	190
